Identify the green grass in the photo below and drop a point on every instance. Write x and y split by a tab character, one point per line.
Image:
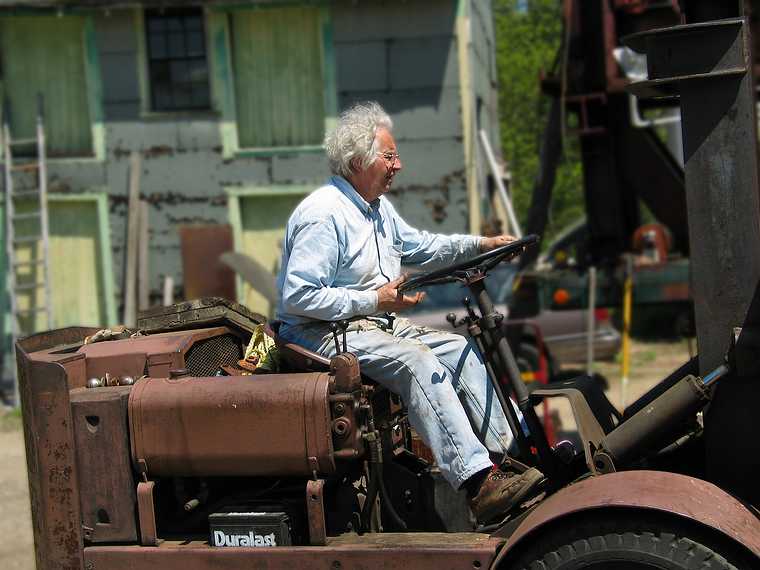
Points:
10	420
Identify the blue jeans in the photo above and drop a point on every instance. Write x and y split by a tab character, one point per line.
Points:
441	379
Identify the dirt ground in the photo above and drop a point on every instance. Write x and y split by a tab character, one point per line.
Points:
650	362
16	544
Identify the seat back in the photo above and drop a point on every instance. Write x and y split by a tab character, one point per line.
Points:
295	356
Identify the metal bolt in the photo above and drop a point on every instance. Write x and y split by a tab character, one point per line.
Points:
95	383
127	381
340	427
340	408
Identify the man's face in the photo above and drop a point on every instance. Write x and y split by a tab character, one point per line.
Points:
377	179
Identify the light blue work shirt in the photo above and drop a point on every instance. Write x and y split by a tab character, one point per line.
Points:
339	249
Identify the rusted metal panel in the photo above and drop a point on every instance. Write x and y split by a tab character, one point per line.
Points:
420	551
146	512
203	274
51	462
670	493
107	497
210	426
708	64
315	508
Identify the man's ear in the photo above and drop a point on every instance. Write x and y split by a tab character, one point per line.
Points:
356	165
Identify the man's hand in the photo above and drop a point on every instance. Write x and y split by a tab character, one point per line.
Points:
490	243
389	298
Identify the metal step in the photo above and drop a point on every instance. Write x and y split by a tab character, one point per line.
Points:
25	193
23	142
26	239
29	286
28	263
27	215
28	167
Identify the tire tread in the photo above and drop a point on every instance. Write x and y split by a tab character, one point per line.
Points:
677	547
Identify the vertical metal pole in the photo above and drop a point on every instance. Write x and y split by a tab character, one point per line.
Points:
627	298
723	207
514	225
10	281
168	296
133	228
591	320
44	224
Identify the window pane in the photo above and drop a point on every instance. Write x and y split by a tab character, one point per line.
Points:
156	24
178	72
183	98
157	46
176	45
195	45
200	96
197	71
159	72
162	97
174	24
194	23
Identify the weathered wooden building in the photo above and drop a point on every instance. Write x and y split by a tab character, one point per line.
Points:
227	103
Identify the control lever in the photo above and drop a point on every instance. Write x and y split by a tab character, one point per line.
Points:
342	325
334	329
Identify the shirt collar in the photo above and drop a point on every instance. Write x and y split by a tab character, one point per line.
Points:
350	192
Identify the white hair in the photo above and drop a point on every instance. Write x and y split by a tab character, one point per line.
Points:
354	137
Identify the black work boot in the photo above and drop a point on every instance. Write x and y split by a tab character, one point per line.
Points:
503	490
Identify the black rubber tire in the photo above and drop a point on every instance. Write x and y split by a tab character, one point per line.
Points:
620	541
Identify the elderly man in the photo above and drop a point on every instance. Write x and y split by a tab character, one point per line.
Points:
342	259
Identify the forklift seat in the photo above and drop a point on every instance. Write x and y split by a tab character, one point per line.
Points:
295	356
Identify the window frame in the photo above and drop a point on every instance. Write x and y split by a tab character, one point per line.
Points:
143	72
223	80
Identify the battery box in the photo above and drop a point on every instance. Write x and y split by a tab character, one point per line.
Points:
249	529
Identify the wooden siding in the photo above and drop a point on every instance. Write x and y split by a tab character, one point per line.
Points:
279	80
45	54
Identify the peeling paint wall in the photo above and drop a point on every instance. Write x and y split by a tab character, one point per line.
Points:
402	54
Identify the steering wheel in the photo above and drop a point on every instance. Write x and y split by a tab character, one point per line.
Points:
483	263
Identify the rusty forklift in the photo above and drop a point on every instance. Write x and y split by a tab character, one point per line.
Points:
154	451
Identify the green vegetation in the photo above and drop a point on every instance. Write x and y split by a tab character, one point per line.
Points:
528	36
10	420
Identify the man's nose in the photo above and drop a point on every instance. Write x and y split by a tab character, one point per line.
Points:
397	164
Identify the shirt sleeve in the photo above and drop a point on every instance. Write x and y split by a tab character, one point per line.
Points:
431	251
308	289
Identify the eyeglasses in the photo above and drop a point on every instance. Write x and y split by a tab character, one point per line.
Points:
390	157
